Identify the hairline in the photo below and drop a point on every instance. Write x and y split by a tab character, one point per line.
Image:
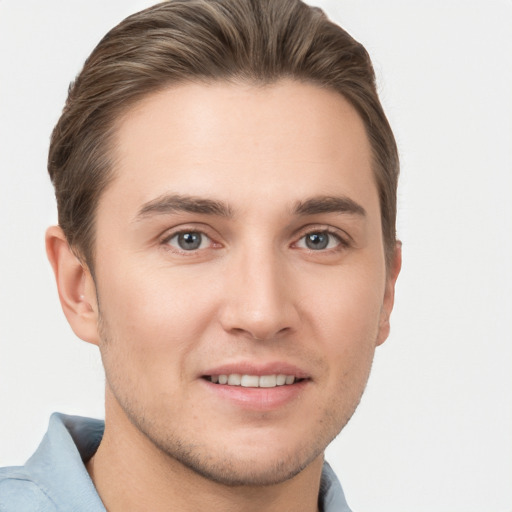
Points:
119	114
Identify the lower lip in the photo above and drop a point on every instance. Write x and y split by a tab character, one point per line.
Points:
258	399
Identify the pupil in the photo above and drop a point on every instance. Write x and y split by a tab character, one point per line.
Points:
317	241
189	241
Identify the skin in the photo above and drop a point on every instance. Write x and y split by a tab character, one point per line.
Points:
272	158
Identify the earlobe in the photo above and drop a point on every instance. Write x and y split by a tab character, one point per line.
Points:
389	293
76	288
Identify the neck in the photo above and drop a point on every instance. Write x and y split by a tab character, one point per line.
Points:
131	474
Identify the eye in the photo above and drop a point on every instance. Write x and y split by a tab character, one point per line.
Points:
319	241
189	240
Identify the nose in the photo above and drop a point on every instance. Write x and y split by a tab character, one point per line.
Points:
259	297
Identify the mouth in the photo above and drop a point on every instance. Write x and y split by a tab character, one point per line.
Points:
253	381
254	387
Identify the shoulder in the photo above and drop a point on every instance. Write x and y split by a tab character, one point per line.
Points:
18	493
55	478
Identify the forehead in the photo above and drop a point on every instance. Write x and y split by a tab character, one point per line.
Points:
290	138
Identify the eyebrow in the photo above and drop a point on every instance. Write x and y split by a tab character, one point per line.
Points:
172	203
328	204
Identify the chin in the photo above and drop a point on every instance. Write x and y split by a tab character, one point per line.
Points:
233	471
252	459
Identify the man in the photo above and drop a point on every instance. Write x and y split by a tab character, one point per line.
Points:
226	186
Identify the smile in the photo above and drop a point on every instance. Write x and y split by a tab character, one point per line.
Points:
253	381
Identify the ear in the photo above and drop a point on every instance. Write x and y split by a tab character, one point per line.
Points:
389	293
77	291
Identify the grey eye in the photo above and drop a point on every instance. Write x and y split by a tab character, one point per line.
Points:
317	241
188	240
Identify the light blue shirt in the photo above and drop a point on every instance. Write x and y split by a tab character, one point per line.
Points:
54	479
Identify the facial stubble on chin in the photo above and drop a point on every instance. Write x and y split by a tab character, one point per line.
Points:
228	471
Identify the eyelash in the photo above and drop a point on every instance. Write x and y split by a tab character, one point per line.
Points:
342	242
165	242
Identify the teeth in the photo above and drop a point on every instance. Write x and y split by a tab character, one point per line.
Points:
268	381
250	381
281	380
234	379
253	381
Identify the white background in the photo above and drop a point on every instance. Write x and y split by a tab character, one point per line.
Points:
434	430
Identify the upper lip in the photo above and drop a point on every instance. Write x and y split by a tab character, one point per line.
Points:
251	368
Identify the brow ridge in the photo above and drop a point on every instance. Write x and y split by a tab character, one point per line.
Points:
172	203
328	204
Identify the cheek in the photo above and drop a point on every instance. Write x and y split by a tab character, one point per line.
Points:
347	306
149	328
150	311
347	315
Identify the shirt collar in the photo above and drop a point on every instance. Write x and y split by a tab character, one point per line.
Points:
331	498
58	467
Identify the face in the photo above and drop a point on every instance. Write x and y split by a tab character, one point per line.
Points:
240	275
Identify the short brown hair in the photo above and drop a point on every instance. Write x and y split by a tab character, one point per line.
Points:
184	41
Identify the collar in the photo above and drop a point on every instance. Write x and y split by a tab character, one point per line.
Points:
72	440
